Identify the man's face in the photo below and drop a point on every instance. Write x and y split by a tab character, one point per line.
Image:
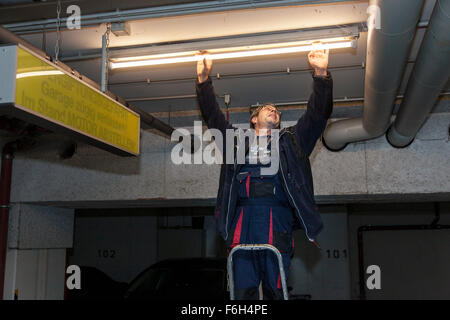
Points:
267	118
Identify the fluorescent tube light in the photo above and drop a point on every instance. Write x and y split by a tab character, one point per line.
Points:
230	53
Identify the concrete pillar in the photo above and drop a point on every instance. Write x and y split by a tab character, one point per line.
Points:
38	237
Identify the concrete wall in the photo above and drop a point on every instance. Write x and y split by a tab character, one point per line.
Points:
120	246
323	273
181	243
124	244
320	273
364	169
413	264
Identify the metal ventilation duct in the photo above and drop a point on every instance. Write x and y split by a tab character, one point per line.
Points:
387	52
430	74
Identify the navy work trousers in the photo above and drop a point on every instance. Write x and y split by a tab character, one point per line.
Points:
261	221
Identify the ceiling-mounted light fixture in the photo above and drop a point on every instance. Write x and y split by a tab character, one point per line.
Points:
259	45
214	55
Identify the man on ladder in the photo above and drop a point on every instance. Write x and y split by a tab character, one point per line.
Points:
257	208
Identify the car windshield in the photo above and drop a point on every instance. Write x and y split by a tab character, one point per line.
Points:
148	283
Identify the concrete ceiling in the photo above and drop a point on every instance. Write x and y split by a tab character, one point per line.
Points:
249	80
215	24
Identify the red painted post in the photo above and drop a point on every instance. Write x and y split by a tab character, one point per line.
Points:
5	192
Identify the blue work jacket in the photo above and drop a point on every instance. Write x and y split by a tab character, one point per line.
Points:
295	146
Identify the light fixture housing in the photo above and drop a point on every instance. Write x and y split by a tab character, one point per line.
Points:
243	46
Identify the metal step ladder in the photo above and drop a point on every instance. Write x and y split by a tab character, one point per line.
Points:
255	247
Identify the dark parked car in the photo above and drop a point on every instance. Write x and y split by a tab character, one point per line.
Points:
181	279
95	285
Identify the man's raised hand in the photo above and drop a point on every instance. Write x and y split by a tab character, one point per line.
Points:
203	68
318	59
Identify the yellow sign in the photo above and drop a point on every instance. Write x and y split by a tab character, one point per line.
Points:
50	93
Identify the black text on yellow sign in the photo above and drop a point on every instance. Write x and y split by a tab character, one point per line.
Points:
46	91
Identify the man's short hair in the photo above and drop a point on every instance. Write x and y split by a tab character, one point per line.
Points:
256	111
